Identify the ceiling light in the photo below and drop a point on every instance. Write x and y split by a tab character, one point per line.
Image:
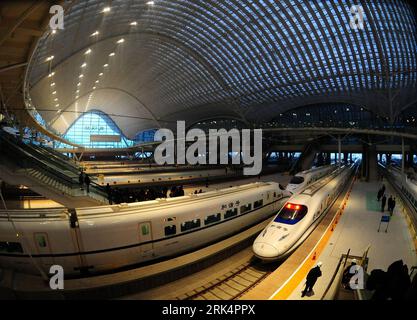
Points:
52	84
76	97
54	92
106	65
94	88
150	3
88	51
49	58
81	76
78	91
95	34
121	40
100	74
51	74
57	105
56	99
134	23
84	65
106	9
112	54
78	84
59	111
53	31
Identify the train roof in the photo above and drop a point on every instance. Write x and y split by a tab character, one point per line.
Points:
63	213
314	169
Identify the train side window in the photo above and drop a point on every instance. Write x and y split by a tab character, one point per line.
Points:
170	230
41	240
246	208
230	213
212	218
145	229
188	225
11	247
258	203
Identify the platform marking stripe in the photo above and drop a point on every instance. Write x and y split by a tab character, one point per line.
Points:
285	290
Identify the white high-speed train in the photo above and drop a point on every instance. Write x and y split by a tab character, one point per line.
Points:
110	237
299	216
407	183
304	178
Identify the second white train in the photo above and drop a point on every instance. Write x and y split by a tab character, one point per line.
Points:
299	216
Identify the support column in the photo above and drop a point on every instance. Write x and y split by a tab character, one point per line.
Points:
402	156
373	163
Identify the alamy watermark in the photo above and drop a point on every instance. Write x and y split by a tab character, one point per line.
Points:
57	20
56	282
173	150
357	19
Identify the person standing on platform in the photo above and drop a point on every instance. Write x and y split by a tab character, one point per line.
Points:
390	200
87	182
312	277
380	194
109	195
394	202
383	188
383	202
81	180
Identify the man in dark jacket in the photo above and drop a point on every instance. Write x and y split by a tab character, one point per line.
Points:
312	277
383	202
87	182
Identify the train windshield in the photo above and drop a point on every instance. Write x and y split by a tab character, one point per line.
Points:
297	180
291	213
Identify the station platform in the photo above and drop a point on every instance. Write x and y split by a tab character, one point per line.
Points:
356	229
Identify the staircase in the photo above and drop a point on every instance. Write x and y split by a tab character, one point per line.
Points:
51	176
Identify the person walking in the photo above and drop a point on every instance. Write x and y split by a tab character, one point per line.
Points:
394	202
383	202
87	182
390	200
109	193
380	194
81	180
311	279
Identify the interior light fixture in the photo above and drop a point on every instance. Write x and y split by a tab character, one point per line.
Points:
134	23
50	58
88	51
96	33
106	9
121	41
84	65
112	54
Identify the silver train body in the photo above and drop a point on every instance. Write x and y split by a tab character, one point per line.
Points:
299	216
110	237
407	183
304	178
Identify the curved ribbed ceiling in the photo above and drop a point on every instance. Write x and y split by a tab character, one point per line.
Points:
250	60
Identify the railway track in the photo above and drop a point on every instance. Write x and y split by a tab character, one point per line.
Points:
233	284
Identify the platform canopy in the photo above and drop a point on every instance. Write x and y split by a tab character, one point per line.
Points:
149	63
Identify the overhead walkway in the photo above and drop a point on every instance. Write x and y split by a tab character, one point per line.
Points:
45	172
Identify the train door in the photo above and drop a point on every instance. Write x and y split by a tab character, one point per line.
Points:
145	237
43	247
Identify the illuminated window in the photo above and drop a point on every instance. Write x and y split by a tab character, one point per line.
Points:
95	123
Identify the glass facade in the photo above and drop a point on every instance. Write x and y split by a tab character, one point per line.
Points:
95	123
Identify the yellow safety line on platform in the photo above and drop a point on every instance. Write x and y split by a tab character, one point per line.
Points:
283	292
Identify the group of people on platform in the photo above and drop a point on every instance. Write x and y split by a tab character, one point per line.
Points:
129	195
381	196
84	180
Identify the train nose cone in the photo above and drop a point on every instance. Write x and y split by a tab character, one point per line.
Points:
265	251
